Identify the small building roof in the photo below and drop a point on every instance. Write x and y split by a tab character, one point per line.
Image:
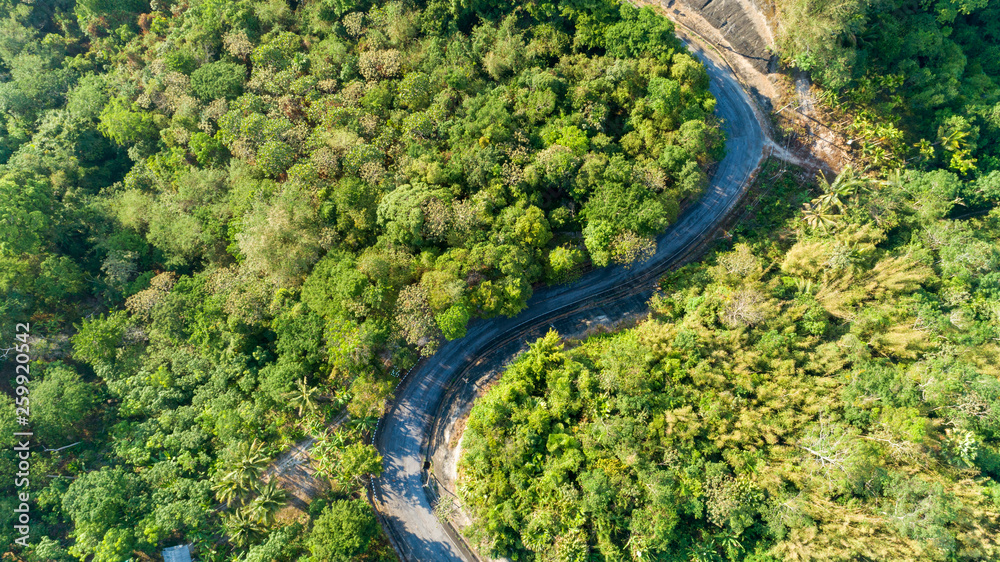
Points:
179	553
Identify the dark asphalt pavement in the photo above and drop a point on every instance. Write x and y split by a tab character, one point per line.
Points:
399	494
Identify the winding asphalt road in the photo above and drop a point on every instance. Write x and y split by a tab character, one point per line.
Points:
399	494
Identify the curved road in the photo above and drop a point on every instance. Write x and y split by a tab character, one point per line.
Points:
399	494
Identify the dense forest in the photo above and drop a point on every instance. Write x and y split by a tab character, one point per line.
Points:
825	385
822	390
229	225
232	225
922	79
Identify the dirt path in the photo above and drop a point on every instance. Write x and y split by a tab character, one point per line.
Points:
296	475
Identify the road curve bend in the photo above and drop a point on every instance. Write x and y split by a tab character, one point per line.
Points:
399	495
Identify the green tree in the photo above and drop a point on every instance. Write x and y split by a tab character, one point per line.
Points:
126	124
281	240
807	43
598	237
343	531
105	507
336	286
25	213
109	13
454	320
415	90
218	80
60	400
281	545
49	550
358	461
274	157
88	98
98	339
564	263
8	422
640	32
59	279
208	150
36	83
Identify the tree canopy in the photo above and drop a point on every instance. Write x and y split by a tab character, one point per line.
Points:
828	395
231	225
921	78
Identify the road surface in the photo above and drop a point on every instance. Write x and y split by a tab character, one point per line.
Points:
399	494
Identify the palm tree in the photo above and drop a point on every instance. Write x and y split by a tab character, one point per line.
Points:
955	140
242	527
339	439
303	397
324	454
730	542
340	400
365	424
847	185
228	491
830	200
270	498
926	149
816	216
314	423
803	286
248	463
704	552
251	460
